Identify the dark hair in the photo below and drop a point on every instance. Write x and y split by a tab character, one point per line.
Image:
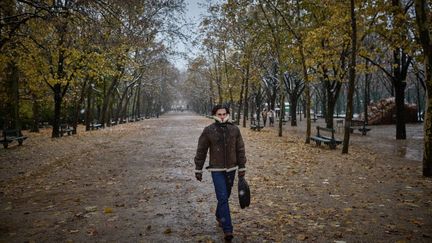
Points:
217	107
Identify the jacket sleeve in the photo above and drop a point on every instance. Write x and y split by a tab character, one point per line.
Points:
201	153
241	153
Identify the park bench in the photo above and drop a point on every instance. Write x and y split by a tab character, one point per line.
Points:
10	135
254	126
360	125
44	125
65	128
95	126
339	124
330	140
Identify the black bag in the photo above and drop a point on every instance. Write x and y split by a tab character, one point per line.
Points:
243	192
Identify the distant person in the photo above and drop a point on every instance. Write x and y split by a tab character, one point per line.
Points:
227	154
271	115
264	116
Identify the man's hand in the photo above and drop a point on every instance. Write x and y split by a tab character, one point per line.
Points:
198	176
241	173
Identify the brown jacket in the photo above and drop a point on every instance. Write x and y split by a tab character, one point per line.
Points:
227	150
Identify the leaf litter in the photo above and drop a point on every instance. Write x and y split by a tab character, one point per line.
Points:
299	191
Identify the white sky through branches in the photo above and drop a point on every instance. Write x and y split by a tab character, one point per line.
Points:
193	14
195	10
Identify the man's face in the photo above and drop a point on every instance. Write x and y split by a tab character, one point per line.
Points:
221	114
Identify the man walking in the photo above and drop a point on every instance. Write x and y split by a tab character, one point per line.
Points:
227	154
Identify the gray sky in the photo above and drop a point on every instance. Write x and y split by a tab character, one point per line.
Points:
193	12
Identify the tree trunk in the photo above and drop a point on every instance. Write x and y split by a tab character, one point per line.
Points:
400	110
240	101
400	63
418	101
12	76
134	102
125	108
357	104
366	94
246	97
331	103
427	152
324	104
282	111
119	109
281	90
293	110
57	88
12	107
110	112
138	101
35	110
77	111
89	112
424	23
218	79
307	92
332	90
103	114
57	110
352	78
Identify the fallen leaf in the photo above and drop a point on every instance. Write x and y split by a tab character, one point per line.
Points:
108	210
301	237
92	232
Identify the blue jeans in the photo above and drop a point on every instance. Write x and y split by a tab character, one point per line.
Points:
223	182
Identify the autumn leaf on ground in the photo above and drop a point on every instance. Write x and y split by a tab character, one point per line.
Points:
108	210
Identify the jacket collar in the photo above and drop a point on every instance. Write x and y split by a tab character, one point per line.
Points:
218	120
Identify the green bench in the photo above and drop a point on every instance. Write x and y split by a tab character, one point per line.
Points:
10	135
256	127
327	139
96	126
65	128
360	125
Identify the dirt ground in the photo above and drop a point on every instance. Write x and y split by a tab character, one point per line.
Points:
134	183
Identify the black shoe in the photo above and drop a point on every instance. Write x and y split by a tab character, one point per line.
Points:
228	237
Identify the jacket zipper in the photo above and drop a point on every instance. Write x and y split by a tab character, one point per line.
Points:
224	144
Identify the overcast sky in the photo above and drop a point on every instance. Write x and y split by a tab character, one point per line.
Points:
193	12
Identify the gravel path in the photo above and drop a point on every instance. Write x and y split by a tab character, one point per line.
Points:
134	183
